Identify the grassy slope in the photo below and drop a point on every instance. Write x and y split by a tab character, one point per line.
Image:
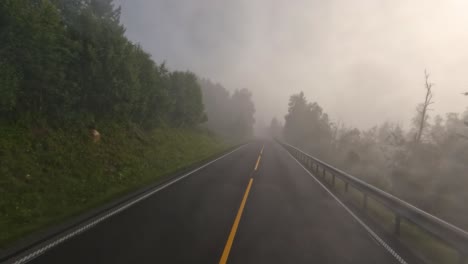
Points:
46	177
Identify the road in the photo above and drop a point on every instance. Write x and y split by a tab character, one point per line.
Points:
251	206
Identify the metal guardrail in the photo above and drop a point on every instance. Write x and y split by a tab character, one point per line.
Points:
450	234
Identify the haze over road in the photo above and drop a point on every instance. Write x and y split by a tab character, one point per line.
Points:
254	205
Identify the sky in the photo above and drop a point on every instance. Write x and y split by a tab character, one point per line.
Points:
363	61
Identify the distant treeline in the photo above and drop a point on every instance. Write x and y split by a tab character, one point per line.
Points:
230	116
425	166
69	62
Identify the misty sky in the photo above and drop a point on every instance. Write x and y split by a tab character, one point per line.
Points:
363	61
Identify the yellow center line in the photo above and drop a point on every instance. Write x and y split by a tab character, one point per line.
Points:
232	235
259	158
258	162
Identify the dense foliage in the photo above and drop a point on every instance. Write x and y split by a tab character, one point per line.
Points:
68	61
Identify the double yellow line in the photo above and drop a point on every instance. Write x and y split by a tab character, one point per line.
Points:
232	234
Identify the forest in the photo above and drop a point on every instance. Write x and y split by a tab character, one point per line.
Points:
87	115
68	62
424	164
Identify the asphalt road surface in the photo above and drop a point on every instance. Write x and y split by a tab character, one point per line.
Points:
254	205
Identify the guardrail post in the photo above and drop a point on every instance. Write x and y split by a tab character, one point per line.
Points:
397	224
323	172
346	187
365	201
333	179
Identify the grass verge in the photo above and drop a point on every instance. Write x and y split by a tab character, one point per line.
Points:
51	175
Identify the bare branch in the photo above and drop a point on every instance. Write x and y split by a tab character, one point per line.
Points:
425	106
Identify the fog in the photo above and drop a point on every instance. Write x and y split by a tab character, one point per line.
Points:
363	61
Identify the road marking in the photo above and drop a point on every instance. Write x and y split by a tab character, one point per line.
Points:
232	235
259	158
258	162
366	227
39	250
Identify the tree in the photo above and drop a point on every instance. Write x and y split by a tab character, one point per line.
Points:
275	128
187	106
243	116
9	80
438	132
421	119
34	47
296	126
218	107
229	116
307	125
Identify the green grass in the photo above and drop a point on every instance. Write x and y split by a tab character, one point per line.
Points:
426	246
47	178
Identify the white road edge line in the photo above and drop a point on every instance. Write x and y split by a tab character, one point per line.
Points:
92	223
366	227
